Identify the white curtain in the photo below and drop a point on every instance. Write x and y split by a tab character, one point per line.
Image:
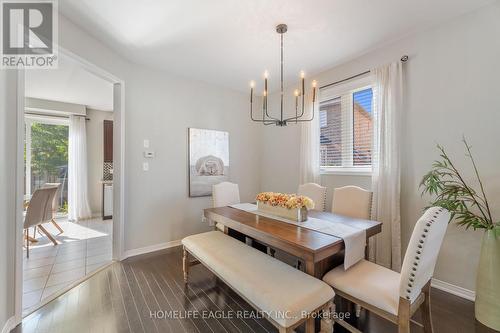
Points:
309	171
78	203
385	249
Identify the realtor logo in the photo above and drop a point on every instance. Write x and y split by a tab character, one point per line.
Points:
28	34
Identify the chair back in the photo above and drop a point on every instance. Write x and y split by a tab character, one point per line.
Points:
352	201
55	202
316	193
40	207
423	249
225	194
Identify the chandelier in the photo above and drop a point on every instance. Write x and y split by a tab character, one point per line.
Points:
299	95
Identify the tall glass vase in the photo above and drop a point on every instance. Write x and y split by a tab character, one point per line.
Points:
487	306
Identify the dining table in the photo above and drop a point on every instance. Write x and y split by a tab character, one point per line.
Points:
318	251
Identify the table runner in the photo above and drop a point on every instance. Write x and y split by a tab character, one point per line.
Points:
354	238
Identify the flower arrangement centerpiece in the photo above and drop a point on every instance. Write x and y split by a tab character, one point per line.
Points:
290	206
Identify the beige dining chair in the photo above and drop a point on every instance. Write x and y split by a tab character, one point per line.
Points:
39	211
316	193
55	204
355	202
225	194
352	201
391	295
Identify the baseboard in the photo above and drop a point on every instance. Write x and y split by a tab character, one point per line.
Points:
453	289
152	248
9	325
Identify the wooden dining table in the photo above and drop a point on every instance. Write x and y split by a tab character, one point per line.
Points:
317	250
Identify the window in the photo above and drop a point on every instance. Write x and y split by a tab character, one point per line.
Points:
46	155
346	127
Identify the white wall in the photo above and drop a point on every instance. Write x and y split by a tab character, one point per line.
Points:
159	207
95	156
452	88
161	107
8	112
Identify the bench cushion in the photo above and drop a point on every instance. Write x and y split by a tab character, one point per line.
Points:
279	290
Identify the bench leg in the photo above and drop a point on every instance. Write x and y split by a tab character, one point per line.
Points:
185	264
310	325
326	320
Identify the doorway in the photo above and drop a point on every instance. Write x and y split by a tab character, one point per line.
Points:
84	246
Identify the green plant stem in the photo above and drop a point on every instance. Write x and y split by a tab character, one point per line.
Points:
471	193
480	182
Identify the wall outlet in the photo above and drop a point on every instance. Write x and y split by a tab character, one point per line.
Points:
146	143
145	166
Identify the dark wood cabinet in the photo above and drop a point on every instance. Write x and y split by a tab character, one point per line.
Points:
108	141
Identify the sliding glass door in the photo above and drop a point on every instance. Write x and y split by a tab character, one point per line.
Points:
46	156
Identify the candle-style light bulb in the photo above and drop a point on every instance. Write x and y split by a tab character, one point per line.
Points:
266	74
314	84
296	94
252	85
302	85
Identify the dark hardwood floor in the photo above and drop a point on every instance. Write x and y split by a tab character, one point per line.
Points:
127	296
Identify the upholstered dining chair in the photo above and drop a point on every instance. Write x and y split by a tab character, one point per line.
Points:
355	202
39	211
225	194
55	204
391	295
316	192
352	201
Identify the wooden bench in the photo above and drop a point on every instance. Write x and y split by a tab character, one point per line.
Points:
285	296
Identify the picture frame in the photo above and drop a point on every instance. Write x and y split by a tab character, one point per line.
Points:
208	160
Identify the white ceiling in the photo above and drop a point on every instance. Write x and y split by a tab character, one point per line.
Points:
70	83
230	42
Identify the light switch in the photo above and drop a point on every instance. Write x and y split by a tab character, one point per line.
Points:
146	143
145	166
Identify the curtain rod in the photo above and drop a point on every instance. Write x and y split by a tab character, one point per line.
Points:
403	59
53	115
